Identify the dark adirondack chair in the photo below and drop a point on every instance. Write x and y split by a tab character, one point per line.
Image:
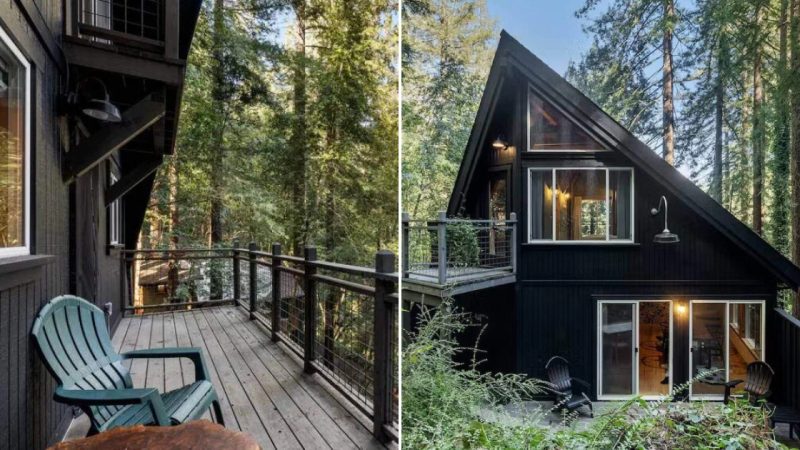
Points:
72	338
570	392
757	384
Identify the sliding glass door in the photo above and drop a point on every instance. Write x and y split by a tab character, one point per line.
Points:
634	348
725	336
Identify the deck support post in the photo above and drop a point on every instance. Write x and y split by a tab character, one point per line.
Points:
276	292
252	248
237	274
384	310
513	218
310	326
441	229
404	244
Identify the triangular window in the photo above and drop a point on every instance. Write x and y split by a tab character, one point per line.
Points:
550	130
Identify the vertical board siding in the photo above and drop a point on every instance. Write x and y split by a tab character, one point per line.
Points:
29	418
787	368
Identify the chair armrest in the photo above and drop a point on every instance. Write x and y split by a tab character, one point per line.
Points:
145	396
733	383
193	353
585	386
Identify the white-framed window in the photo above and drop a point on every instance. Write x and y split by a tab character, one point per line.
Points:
549	130
580	204
114	217
15	149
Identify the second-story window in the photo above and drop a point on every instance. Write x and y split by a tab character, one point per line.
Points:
551	131
14	149
580	204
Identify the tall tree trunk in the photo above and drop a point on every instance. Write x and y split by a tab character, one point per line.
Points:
668	91
779	223
794	74
216	169
716	179
298	222
758	136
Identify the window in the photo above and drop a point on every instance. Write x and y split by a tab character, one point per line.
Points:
115	218
14	150
580	204
550	130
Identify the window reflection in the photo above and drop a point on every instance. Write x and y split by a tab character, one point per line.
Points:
551	130
12	154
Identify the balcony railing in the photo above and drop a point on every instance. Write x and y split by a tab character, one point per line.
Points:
340	319
143	25
451	250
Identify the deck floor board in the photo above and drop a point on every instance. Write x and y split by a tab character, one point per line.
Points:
262	389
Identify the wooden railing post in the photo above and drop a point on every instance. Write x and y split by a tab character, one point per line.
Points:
123	276
237	274
404	246
252	248
513	242
382	367
441	229
310	288
276	292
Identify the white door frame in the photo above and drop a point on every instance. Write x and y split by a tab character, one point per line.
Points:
726	342
635	376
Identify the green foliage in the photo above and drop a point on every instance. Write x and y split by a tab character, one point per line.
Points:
446	406
462	244
234	142
447	51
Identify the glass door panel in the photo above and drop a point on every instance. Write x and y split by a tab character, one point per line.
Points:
745	338
654	348
617	348
708	350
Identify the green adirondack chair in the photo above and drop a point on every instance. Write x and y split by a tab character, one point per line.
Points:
73	340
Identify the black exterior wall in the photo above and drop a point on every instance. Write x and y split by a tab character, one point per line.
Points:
552	308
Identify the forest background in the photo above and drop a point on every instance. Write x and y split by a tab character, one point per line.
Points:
288	131
711	85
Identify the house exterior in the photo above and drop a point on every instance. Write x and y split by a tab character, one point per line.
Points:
631	315
89	100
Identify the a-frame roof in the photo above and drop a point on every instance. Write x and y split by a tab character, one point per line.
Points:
544	79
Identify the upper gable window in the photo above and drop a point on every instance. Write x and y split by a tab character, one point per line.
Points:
550	130
580	204
14	149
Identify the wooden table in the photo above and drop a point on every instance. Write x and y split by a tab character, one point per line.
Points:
200	434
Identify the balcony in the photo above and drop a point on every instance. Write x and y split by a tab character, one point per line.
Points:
450	256
309	360
148	39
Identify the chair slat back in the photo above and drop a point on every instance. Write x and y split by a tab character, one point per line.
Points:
759	378
558	373
72	337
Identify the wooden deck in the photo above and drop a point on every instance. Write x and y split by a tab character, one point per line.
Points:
263	390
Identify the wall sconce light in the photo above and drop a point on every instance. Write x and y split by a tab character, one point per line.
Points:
500	143
665	237
680	308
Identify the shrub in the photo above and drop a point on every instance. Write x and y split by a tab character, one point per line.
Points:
446	405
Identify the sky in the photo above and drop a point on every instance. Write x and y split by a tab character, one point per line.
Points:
548	28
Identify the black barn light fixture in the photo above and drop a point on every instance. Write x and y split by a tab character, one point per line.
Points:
98	107
500	143
666	236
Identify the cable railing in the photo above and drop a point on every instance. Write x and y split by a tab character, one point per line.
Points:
339	319
449	250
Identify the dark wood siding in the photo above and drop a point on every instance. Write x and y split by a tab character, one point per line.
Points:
558	286
29	418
